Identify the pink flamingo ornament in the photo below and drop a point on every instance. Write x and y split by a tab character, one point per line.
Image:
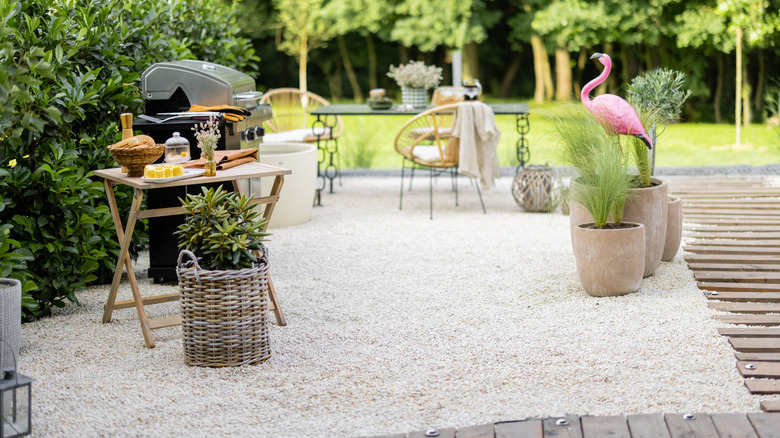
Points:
612	110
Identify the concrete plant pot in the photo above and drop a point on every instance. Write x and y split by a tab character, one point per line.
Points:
10	321
610	262
673	228
647	206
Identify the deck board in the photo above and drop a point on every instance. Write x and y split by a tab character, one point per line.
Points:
732	234
733	425
517	429
717	425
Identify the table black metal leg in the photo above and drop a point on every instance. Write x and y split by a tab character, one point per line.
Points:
327	148
523	126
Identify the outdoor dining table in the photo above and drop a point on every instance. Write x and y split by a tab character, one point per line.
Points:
326	121
114	177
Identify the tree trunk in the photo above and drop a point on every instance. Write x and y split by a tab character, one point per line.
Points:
304	54
625	75
357	94
371	49
562	74
538	48
747	113
716	98
509	76
758	96
581	60
738	97
549	90
471	60
403	53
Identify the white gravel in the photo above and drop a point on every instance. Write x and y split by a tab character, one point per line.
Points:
398	323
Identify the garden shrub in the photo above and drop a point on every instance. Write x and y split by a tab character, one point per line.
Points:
67	70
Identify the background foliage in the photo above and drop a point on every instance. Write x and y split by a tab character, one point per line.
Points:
530	48
68	68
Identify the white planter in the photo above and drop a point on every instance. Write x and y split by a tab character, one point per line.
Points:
10	321
416	97
297	197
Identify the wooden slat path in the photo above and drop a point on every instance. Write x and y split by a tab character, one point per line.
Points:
732	233
751	425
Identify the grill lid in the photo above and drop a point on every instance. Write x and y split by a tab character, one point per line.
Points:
203	83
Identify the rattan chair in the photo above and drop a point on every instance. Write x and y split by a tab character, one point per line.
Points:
447	95
292	118
425	141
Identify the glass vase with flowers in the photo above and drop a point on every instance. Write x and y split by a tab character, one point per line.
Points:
207	133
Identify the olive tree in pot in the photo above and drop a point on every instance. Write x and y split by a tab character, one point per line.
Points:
227	285
610	256
658	97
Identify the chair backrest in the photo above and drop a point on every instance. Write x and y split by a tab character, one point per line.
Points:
292	110
432	127
447	95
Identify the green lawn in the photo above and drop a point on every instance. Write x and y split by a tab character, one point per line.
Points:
369	139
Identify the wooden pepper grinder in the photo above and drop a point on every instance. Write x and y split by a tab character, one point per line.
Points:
126	119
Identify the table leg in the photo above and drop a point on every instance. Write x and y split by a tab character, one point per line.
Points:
124	261
320	157
523	126
276	189
327	148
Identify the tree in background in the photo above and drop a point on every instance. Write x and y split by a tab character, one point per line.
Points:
304	27
453	24
700	28
571	26
366	18
751	22
522	31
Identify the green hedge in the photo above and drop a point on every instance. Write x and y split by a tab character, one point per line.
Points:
67	70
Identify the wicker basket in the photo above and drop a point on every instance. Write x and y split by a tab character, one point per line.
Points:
532	188
224	314
136	158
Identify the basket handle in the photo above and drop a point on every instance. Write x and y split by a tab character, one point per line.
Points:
194	261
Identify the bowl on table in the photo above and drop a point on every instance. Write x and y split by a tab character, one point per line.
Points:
380	104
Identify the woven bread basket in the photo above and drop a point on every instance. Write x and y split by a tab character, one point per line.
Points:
136	158
224	313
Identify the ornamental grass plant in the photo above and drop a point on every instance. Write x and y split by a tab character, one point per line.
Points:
603	185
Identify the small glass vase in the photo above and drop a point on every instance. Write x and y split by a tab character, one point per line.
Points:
210	166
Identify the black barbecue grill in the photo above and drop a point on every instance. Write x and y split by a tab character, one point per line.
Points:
170	89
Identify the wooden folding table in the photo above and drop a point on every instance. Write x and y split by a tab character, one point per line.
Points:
112	177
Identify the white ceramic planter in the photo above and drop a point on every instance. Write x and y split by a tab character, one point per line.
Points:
10	321
297	197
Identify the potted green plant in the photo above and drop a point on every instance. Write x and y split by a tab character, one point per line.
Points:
658	97
415	78
226	284
610	255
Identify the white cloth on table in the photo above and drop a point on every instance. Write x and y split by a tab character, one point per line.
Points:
295	135
475	126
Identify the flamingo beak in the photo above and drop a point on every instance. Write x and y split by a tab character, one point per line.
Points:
596	55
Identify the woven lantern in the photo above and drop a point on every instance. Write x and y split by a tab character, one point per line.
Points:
532	188
15	401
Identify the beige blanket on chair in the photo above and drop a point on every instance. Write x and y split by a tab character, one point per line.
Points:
475	126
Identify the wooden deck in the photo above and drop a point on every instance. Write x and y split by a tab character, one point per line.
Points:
753	425
733	232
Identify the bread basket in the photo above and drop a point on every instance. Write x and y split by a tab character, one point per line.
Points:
136	158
